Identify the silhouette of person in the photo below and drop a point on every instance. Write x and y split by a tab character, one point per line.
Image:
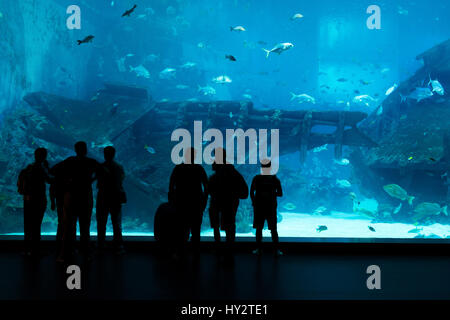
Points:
32	185
57	190
80	172
226	186
188	190
264	190
110	197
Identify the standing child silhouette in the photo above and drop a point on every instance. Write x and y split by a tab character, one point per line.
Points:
264	191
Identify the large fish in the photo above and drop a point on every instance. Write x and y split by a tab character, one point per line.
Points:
426	209
301	98
398	192
437	87
418	94
279	48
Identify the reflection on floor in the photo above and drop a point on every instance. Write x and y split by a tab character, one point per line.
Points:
142	273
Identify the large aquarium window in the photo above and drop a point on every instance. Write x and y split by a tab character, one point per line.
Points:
357	91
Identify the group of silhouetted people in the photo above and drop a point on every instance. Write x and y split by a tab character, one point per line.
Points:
72	197
178	220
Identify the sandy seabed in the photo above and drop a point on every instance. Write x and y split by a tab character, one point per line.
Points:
339	225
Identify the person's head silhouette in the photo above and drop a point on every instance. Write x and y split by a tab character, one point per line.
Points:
266	167
40	155
220	155
81	149
189	155
109	153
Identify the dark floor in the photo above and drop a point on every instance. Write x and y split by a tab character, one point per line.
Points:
142	273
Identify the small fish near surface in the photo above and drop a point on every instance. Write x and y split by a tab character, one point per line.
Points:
129	12
238	29
398	192
418	94
88	39
426	209
321	228
372	229
279	48
230	57
302	98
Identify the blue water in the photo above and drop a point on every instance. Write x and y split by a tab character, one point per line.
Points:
335	58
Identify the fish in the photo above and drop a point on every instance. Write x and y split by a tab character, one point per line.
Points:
152	57
402	11
380	111
385	70
397	210
343	183
320	210
129	12
207	91
418	94
398	192
140	71
231	115
261	43
321	228
247	96
415	230
168	73
222	80
238	29
149	149
290	206
342	162
432	159
342	80
188	65
296	16
88	39
130	55
364	83
437	87
426	209
371	229
182	86
391	89
170	10
279	48
364	100
230	57
321	148
302	98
